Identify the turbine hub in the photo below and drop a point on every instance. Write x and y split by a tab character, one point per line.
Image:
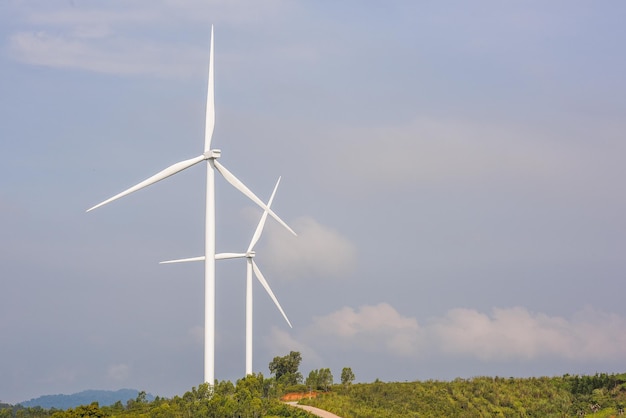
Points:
250	254
212	154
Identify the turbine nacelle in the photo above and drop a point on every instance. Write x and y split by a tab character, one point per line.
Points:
212	154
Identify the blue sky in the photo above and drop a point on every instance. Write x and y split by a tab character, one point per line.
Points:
454	173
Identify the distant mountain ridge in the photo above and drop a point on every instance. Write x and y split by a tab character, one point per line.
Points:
86	397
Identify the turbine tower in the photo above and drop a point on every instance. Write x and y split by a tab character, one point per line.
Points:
250	267
210	156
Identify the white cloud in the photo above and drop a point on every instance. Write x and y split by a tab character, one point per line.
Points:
375	328
112	39
317	251
110	55
516	333
509	333
506	334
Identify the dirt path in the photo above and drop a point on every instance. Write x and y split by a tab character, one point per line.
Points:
314	411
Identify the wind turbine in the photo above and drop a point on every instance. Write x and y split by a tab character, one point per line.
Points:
210	156
251	266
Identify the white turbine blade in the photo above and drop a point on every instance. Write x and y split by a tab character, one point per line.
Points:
230	177
171	170
259	227
257	233
259	276
210	102
183	260
222	256
226	256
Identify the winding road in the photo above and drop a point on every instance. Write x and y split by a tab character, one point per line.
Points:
314	411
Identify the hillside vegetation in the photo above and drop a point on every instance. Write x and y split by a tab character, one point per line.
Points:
252	397
601	395
598	396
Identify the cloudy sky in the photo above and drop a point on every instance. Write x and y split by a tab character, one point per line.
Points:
454	172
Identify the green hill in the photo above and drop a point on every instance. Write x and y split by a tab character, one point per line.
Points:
86	397
598	396
601	395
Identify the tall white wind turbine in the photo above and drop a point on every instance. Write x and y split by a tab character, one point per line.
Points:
251	266
210	156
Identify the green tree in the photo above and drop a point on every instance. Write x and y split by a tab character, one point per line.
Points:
347	377
92	411
321	379
253	383
312	380
286	368
225	388
325	379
